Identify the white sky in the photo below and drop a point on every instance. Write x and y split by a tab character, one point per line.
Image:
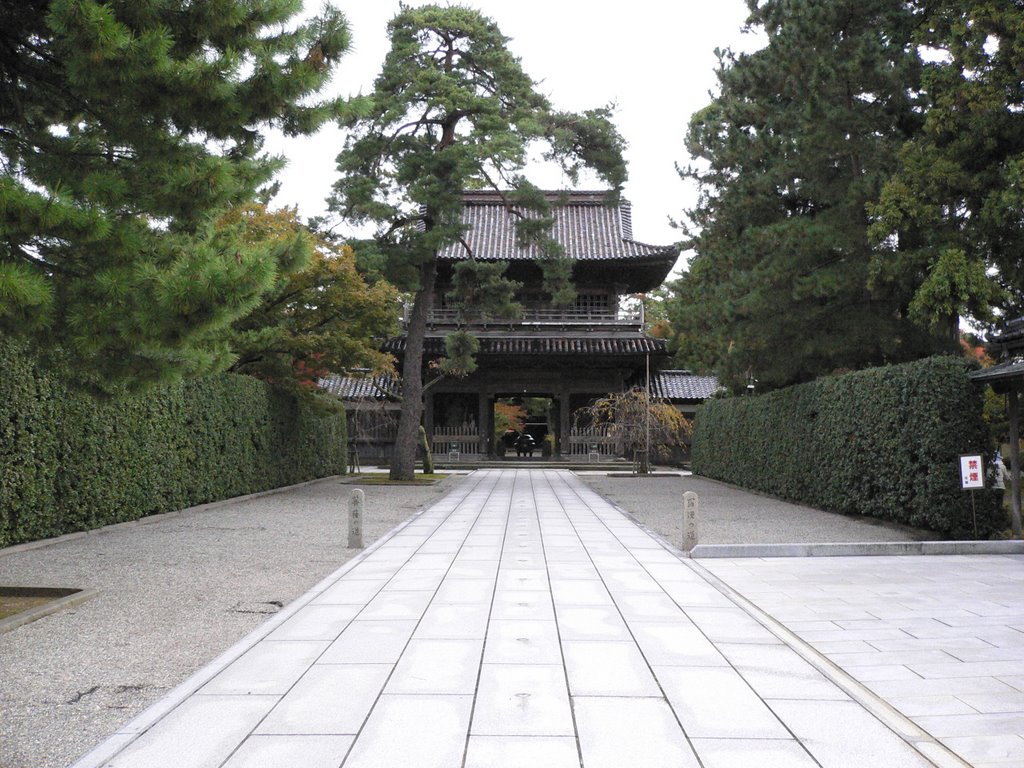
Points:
654	58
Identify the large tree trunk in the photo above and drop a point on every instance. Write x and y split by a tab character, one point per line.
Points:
403	461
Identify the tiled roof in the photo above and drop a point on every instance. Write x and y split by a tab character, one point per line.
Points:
1011	336
683	385
1010	368
543	345
585	226
1008	347
359	387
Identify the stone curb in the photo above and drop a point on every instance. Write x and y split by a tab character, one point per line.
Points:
923	742
106	750
210	505
910	732
1002	547
62	600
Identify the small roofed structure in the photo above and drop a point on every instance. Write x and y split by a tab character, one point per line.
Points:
372	405
683	389
1006	377
1007	348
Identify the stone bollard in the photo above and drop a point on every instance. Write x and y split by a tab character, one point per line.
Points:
690	507
355	520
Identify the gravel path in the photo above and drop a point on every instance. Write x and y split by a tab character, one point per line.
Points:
174	593
730	515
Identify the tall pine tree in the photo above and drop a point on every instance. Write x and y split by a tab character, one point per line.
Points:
127	128
452	109
951	219
800	138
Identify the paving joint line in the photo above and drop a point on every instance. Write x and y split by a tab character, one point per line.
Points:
490	612
131	731
909	731
391	674
619	610
554	607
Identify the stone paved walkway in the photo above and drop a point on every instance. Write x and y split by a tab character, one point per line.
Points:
524	621
940	639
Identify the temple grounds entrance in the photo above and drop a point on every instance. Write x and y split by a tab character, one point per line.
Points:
525	425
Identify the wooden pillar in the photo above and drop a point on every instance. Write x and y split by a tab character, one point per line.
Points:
485	419
565	423
1013	411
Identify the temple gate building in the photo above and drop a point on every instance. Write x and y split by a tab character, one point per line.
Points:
551	361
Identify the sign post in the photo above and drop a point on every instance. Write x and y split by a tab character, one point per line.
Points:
972	477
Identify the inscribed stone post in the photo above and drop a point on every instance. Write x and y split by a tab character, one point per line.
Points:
690	507
355	520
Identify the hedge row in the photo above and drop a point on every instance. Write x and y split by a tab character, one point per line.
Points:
882	442
69	462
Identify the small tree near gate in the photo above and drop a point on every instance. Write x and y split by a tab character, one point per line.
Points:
640	423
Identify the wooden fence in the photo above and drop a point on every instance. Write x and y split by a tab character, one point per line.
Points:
584	441
463	439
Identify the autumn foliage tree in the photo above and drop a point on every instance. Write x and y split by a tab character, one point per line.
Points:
641	424
508	416
322	317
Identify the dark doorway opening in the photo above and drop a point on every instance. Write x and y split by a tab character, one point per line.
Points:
526	425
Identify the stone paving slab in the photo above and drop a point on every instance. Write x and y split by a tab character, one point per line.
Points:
939	638
523	620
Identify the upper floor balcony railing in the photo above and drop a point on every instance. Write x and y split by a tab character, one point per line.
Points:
623	318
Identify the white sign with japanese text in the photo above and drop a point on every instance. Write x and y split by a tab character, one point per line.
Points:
971	472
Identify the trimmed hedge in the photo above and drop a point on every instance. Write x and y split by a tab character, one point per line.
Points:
882	442
69	462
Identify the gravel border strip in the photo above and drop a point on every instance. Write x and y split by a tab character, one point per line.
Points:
208	506
150	716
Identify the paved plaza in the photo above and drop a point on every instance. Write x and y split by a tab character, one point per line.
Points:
523	620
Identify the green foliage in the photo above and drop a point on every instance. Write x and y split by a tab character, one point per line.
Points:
319	317
882	442
126	130
801	136
460	350
452	109
481	291
70	462
950	217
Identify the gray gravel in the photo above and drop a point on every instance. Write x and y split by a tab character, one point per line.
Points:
730	515
174	593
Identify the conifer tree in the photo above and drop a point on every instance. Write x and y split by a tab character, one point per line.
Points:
950	221
127	129
800	138
452	109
